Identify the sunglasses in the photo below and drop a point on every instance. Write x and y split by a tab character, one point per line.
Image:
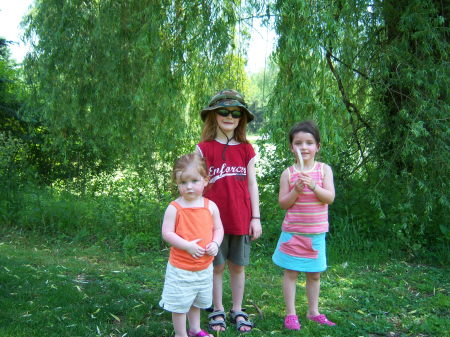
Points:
225	113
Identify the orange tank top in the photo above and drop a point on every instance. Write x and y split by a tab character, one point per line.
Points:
190	224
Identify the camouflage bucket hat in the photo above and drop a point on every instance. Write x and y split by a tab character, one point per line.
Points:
227	98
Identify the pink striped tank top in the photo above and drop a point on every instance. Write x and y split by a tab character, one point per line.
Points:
308	215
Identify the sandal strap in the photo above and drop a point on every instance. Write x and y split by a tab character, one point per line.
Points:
235	314
217	313
240	324
214	322
217	322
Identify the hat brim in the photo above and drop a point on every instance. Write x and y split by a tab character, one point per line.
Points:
226	104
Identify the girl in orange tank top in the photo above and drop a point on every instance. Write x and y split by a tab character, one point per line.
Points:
193	228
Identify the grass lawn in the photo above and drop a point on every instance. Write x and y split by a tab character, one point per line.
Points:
61	289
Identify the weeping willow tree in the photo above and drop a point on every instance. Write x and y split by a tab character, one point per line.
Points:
374	76
121	82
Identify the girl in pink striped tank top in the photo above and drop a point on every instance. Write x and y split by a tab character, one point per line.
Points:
306	190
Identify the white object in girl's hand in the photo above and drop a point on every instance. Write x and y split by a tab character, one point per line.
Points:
300	159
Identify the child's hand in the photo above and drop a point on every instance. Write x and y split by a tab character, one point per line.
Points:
255	228
195	250
298	187
212	248
307	180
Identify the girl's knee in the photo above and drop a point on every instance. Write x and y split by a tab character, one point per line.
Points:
291	274
235	268
219	269
313	276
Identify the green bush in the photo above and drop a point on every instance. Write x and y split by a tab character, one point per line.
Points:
87	219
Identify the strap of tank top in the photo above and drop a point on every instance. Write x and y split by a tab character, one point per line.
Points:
177	205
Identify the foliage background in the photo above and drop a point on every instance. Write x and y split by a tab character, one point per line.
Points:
110	94
374	76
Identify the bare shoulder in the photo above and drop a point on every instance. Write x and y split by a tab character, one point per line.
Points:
169	220
213	207
327	169
170	210
285	173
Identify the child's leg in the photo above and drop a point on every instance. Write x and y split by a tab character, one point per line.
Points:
237	279
217	293
312	292
194	319
218	286
289	290
179	324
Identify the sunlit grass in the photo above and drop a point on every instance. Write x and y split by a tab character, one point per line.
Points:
63	289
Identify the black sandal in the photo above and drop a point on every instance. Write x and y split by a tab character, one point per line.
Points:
241	323
215	322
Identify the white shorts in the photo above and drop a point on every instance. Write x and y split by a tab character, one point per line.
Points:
184	288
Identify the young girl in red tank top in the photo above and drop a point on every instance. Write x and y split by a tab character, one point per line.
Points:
193	228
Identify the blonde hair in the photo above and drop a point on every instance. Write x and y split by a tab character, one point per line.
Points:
210	127
189	160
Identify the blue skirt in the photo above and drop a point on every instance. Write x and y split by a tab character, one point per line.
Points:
301	252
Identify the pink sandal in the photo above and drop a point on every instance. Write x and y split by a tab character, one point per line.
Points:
321	319
291	322
201	333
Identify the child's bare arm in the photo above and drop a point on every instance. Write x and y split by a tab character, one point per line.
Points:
255	222
212	248
287	198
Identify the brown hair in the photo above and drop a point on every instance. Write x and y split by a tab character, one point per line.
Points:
189	160
210	128
305	126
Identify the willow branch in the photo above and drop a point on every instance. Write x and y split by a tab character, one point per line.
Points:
351	108
345	64
262	16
